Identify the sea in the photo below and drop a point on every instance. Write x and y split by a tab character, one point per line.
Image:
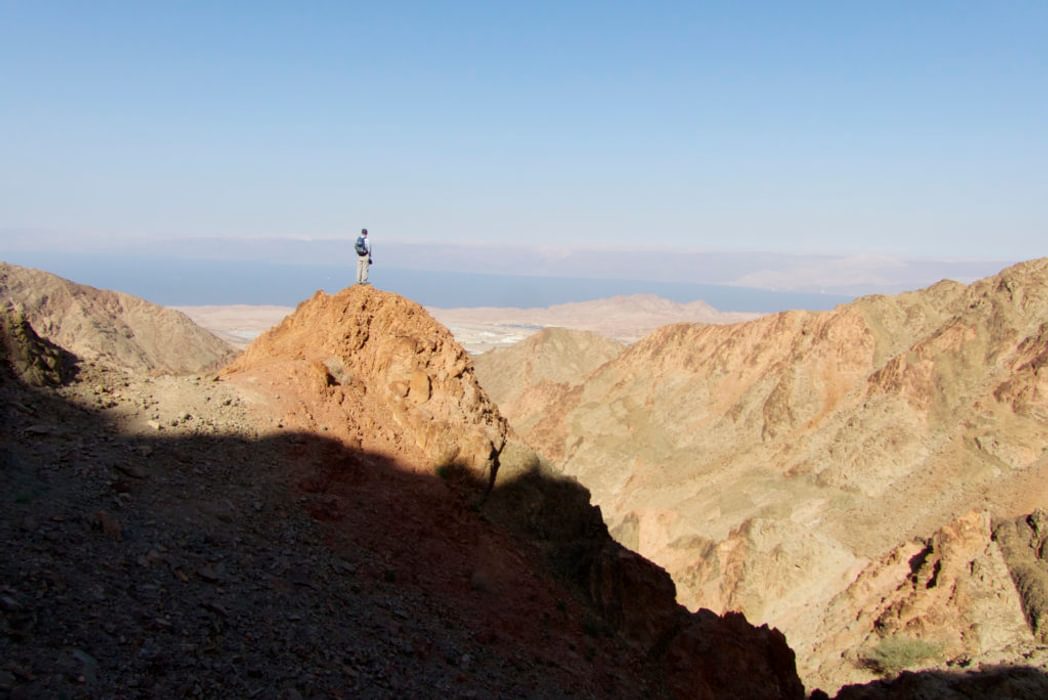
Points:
190	282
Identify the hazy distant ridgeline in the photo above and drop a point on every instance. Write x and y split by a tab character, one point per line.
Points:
782	271
622	318
176	281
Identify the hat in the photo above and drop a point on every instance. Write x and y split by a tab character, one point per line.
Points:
363	232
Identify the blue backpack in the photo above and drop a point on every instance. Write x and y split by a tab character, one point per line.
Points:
361	246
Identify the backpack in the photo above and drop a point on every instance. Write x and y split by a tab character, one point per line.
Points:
361	246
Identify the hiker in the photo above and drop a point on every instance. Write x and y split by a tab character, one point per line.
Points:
363	248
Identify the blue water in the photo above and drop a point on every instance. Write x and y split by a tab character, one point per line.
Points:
174	282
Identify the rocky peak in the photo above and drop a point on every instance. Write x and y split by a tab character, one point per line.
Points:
375	369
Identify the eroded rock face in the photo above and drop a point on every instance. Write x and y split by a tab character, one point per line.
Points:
768	463
701	654
1024	544
376	370
950	593
526	377
318	562
112	327
33	359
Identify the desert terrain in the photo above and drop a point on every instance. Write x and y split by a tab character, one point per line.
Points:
319	517
861	478
342	510
623	318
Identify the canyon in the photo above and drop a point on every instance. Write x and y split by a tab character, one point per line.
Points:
338	512
849	501
844	476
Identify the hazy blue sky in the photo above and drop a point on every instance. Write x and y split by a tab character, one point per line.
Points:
905	128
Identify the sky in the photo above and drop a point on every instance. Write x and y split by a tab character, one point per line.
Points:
913	130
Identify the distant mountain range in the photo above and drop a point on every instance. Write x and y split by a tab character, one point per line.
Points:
190	282
539	272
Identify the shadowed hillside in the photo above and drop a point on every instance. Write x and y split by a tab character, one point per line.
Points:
175	537
321	521
836	474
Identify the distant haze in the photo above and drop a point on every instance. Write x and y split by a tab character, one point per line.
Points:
173	282
283	270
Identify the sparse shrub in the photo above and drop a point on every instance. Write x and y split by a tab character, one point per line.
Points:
895	654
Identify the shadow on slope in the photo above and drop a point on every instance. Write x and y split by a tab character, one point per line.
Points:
1000	683
290	566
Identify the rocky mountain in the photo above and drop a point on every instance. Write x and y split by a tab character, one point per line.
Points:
807	468
320	520
117	328
522	378
375	369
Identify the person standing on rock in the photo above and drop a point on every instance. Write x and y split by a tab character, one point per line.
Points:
363	248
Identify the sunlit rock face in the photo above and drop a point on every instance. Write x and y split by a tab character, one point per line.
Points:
771	465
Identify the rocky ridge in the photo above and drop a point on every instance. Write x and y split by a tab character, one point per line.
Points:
112	327
1023	542
773	466
376	370
179	535
523	378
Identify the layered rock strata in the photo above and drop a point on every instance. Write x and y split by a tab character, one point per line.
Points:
772	465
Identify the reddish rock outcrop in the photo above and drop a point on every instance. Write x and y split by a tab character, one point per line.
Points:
374	369
950	594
